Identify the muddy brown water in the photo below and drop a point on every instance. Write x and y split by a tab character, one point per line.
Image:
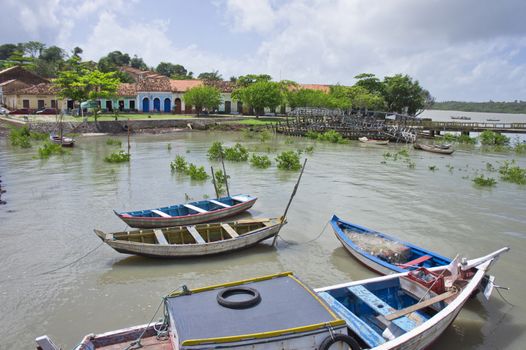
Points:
54	205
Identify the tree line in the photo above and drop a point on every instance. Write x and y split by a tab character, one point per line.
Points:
489	107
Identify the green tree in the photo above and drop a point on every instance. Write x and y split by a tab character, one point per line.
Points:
34	48
7	50
52	54
259	95
201	97
401	93
211	76
77	51
246	80
137	62
370	82
175	71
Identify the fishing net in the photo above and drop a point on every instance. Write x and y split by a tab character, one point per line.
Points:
387	250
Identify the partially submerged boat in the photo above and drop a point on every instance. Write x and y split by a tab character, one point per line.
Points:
408	310
381	252
193	240
268	313
403	311
373	141
62	140
442	149
191	213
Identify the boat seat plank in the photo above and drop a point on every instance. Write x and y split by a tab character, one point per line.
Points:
195	234
229	230
415	261
159	235
381	307
362	329
221	204
161	213
240	198
419	306
194	208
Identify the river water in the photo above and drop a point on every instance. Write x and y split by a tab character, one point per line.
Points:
54	205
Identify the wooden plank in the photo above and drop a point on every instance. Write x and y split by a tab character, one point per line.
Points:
161	213
230	230
195	234
241	198
159	235
45	343
194	208
415	261
419	306
368	335
221	204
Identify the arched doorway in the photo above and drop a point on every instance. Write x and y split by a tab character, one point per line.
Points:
146	105
178	106
156	104
240	107
167	105
228	107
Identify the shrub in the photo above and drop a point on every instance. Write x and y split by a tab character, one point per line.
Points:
520	148
484	181
513	173
118	157
197	173
467	139
288	160
179	164
332	136
215	151
114	142
48	149
221	180
309	149
433	167
238	153
489	137
20	137
264	135
312	134
490	167
261	162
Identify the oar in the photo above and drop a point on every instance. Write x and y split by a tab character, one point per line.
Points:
290	201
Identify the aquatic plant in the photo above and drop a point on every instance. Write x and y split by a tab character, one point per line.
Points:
403	152
197	173
489	137
169	147
48	149
288	160
179	164
289	141
118	157
215	151
20	137
238	153
221	181
114	142
433	168
480	180
513	173
520	148
312	134
261	162
450	167
411	164
332	136
309	149
265	135
466	139
490	167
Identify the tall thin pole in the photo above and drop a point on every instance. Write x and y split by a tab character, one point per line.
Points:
128	136
214	181
283	218
224	173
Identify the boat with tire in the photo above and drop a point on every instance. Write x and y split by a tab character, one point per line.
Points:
381	252
193	240
191	213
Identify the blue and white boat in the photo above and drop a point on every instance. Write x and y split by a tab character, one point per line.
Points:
383	253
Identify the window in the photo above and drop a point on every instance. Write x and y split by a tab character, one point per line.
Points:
132	105
25	103
40	104
53	103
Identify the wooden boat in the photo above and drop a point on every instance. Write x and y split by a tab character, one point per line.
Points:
373	141
402	311
273	312
381	252
63	141
408	310
191	213
192	241
433	148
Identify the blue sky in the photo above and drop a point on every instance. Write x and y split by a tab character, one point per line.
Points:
458	49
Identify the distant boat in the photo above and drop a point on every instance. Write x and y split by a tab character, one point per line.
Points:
442	149
192	241
205	210
63	141
462	117
373	141
381	252
493	120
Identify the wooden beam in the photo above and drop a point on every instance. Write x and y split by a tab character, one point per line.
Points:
161	213
421	305
197	237
159	235
230	230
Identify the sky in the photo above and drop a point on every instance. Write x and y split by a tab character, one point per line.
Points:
467	50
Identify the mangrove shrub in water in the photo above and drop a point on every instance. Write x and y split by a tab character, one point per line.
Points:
197	173
288	160
114	142
261	162
238	153
221	181
118	157
179	164
492	138
215	151
22	137
48	149
480	180
330	136
513	173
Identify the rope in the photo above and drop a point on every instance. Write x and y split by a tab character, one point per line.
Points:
73	262
506	301
136	344
310	240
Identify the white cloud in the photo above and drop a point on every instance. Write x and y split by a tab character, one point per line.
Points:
256	15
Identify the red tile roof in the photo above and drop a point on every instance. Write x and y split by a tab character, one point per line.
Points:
39	89
184	85
319	87
127	89
223	86
154	84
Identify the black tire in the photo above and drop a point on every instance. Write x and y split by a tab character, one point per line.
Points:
242	304
327	342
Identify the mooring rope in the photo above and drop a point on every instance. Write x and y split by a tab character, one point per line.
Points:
310	240
73	262
506	301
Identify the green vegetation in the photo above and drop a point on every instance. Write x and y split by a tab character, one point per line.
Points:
48	149
196	173
261	162
520	148
492	138
215	151
114	142
22	137
309	149
433	168
118	157
201	97
264	135
513	173
330	136
493	107
459	138
288	160
258	92
179	164
221	181
490	167
482	181
238	153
